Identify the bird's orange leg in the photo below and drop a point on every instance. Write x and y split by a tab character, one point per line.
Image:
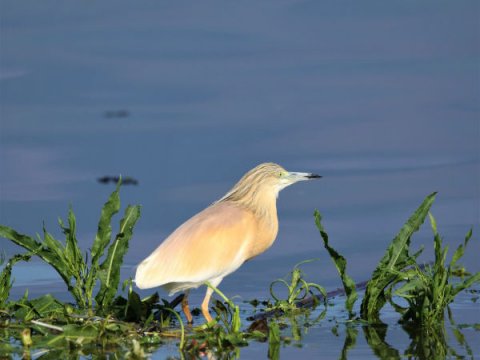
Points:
186	309
205	303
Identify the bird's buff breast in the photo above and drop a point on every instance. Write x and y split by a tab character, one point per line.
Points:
265	236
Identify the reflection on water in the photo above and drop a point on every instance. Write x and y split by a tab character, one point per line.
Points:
425	343
350	341
375	337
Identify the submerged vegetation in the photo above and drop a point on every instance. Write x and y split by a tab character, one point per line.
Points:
103	322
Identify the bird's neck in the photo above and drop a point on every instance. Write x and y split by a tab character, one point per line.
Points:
261	200
264	205
265	210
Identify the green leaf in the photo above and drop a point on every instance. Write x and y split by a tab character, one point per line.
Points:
341	265
42	307
406	288
461	249
24	241
47	305
102	238
134	309
72	252
5	275
109	271
41	250
395	259
85	333
58	261
281	281
465	284
104	231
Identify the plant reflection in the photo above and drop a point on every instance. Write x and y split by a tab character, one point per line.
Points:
375	337
350	341
427	342
431	342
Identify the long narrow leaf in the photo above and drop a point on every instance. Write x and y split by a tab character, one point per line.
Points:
102	238
24	241
109	271
461	249
5	275
341	265
57	249
74	261
104	232
465	284
36	248
73	253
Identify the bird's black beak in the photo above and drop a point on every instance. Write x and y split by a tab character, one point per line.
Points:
313	176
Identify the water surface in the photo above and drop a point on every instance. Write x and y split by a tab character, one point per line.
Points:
382	99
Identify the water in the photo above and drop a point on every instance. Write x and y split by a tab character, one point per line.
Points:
382	99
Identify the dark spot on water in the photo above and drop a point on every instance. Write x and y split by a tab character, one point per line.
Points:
127	180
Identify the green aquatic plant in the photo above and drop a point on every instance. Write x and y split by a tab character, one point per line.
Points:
298	289
93	336
43	307
396	259
429	290
66	258
6	274
230	314
223	336
225	332
432	342
341	265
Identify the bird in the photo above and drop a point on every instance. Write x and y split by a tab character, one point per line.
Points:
219	239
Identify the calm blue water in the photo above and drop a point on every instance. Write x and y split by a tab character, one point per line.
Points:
381	98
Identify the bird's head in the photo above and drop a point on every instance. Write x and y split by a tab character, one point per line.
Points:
266	178
283	178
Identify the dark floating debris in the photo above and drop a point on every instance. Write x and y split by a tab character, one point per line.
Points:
126	180
116	113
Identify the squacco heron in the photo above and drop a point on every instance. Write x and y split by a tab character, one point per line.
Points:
218	240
